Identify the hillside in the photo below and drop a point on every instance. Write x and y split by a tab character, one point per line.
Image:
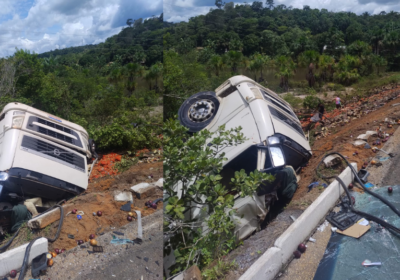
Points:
281	46
110	88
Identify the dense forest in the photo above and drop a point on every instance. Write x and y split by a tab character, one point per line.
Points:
251	39
110	89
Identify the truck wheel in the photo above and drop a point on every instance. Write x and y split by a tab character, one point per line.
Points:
198	110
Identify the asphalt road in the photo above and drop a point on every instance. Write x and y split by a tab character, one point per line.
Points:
123	262
386	175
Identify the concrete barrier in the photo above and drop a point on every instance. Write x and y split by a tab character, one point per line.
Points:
266	267
13	259
300	230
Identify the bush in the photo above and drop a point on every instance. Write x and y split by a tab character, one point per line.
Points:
299	84
311	102
121	134
194	164
294	101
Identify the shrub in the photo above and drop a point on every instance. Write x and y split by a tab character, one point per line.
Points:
311	102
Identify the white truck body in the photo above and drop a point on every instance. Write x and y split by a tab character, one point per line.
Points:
41	155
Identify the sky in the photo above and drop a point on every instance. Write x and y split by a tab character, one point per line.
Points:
44	25
182	10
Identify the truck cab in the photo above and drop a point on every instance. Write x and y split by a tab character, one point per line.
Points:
41	155
275	139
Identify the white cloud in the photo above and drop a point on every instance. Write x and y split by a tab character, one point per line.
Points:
182	10
50	24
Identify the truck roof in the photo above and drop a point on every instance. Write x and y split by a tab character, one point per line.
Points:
29	109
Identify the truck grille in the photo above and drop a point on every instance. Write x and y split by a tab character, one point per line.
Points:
52	152
55	135
276	103
52	133
275	113
56	126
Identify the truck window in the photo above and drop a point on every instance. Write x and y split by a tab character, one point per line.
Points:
247	160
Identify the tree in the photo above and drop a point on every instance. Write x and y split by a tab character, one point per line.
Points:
131	72
216	62
192	179
346	70
219	4
257	6
234	58
309	59
129	22
379	62
270	4
325	68
286	70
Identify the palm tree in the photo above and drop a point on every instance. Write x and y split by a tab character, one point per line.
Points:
217	63
379	62
154	73
325	67
376	38
346	69
50	62
286	70
234	58
131	72
115	76
261	61
309	59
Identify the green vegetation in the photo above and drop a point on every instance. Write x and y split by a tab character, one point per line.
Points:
194	166
280	44
219	271
125	163
109	88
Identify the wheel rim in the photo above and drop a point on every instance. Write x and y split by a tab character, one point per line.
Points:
201	110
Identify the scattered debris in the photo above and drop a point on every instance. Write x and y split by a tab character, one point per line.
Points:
143	190
357	230
302	248
297	254
123	196
332	160
126	207
369	263
322	227
368	185
312	239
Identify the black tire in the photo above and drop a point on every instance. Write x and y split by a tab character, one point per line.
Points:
187	120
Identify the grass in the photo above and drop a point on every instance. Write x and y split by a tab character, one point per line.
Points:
219	271
125	163
372	81
294	101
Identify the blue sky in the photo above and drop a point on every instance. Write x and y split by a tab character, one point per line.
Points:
182	10
43	25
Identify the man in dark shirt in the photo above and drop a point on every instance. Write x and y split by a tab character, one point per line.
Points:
321	110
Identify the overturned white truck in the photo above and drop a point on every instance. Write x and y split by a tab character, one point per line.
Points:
275	140
41	155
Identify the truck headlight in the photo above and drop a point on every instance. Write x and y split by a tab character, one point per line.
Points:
273	140
17	122
3	176
277	157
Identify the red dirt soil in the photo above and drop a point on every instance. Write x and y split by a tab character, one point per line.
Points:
340	140
99	197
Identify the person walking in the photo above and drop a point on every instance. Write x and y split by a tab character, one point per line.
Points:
338	105
321	111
